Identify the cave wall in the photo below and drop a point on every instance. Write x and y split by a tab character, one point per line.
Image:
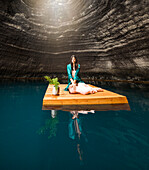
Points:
109	37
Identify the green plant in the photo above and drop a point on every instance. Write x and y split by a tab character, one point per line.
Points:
50	126
53	81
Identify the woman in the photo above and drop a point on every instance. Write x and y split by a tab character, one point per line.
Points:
73	70
83	88
75	84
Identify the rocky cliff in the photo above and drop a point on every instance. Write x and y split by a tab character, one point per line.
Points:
109	37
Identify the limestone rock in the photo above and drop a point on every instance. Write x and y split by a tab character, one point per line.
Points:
109	37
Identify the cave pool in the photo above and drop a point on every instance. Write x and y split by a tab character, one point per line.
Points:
31	139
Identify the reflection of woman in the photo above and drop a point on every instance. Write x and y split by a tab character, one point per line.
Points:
73	70
75	130
75	123
75	84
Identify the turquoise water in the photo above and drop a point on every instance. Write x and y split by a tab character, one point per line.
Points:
31	139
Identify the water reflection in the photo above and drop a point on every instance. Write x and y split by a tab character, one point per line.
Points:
76	131
50	125
75	127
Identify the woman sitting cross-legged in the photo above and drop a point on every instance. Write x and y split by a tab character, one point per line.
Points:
75	84
73	70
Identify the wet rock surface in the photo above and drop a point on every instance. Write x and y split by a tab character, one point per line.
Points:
109	37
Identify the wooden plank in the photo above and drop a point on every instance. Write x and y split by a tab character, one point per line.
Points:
100	107
65	98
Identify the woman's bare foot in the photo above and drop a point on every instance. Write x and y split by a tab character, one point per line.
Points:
99	89
91	91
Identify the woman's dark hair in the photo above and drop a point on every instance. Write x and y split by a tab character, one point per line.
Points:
76	63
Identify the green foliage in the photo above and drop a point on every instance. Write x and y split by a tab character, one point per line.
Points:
50	126
53	81
48	79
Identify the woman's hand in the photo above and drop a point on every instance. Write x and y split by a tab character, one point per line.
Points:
73	81
72	88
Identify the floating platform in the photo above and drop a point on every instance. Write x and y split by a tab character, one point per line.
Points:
96	101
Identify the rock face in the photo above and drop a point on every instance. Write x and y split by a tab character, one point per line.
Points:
109	37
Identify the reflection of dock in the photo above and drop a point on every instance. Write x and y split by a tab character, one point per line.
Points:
97	101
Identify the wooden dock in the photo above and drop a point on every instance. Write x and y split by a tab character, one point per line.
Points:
66	99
